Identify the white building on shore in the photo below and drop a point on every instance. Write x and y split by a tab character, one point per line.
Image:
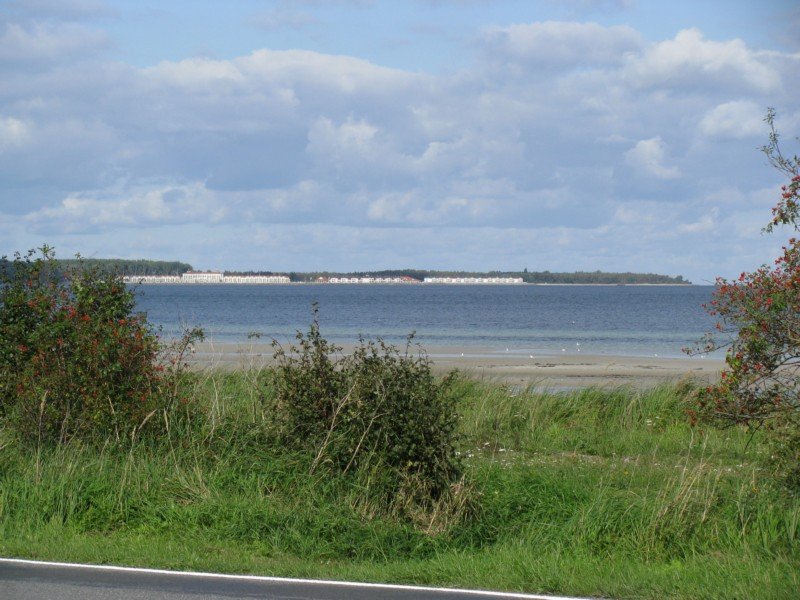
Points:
404	279
151	278
202	277
255	279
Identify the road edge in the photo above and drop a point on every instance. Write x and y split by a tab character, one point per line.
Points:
271	579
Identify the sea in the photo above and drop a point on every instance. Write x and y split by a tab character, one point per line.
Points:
542	319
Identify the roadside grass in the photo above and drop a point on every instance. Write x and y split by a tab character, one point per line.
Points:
605	493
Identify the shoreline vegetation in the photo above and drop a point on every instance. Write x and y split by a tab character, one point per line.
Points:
172	268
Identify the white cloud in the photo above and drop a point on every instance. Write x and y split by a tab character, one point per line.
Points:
352	138
13	133
691	60
638	214
562	43
193	73
300	196
412	208
704	224
735	119
648	156
130	208
67	10
281	18
48	43
344	74
356	153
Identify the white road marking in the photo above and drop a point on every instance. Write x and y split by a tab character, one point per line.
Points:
384	586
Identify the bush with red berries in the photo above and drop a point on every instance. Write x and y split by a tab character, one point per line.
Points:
76	360
760	311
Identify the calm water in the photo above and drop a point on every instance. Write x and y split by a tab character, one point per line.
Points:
622	320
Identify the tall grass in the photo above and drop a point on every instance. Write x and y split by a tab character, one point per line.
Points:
607	493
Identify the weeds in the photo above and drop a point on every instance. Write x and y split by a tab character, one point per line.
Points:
587	498
378	412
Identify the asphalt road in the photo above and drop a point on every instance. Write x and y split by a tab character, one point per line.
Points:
32	580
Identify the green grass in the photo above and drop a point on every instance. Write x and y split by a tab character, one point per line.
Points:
597	493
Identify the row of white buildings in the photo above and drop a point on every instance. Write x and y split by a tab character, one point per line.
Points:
475	280
366	280
206	277
219	277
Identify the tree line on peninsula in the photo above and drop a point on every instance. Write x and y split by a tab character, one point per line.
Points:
112	266
161	267
576	277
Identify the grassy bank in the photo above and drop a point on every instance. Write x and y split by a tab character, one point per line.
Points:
597	493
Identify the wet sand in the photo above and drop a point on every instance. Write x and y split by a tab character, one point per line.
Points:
551	371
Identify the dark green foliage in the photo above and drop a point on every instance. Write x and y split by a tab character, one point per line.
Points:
113	266
600	277
121	266
377	410
75	360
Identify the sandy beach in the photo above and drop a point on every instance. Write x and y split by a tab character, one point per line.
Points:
552	371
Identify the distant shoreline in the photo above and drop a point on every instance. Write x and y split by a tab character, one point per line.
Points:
201	284
134	269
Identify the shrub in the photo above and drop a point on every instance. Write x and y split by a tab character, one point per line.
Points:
75	360
761	313
376	410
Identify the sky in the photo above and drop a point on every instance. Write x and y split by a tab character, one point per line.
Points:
307	135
